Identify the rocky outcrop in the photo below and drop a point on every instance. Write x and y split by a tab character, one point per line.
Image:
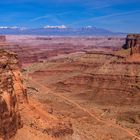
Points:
133	42
12	93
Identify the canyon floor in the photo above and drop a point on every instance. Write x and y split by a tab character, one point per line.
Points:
82	90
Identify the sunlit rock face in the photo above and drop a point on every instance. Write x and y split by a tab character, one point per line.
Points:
133	42
12	93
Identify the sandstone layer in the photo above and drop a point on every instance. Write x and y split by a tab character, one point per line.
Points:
91	93
16	112
105	78
11	93
32	49
99	83
133	42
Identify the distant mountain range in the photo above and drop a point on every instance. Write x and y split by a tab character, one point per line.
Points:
58	31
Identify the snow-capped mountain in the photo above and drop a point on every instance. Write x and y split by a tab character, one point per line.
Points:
6	27
55	27
12	27
60	30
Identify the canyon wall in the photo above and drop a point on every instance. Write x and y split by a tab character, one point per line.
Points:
32	49
133	42
12	93
105	79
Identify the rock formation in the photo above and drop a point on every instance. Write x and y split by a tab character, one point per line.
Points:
11	93
133	42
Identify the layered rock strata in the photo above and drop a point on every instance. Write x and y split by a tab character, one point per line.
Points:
133	42
106	79
12	93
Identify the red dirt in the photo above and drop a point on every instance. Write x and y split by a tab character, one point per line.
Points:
81	90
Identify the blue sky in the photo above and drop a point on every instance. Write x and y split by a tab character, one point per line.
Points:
115	15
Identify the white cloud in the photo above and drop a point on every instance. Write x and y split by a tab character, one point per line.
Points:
59	27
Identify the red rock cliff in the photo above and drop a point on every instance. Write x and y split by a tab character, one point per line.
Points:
133	42
12	93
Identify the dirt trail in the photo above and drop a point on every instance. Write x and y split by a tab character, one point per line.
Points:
36	108
109	124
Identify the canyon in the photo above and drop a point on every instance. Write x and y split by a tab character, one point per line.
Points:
15	106
70	88
33	49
